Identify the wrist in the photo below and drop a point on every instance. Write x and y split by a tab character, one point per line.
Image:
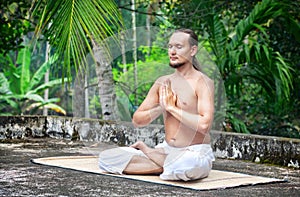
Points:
172	109
154	112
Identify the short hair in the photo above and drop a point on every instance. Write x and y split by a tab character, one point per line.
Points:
193	41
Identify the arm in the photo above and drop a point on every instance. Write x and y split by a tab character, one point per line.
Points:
150	109
200	122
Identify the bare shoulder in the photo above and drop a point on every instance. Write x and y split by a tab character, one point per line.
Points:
158	82
204	79
203	82
162	79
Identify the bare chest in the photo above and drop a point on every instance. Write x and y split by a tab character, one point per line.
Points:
186	94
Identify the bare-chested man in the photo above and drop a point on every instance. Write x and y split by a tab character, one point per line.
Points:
186	100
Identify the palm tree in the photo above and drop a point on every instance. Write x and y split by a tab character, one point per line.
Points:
71	27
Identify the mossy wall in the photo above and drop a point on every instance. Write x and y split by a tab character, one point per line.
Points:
256	148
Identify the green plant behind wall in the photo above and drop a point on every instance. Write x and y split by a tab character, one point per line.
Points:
20	90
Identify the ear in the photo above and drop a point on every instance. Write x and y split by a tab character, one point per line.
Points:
194	50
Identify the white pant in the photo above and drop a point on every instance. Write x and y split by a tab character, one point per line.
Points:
189	163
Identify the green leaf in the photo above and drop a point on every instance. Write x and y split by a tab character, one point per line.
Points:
4	85
261	29
38	105
267	53
34	97
24	61
46	85
56	108
40	73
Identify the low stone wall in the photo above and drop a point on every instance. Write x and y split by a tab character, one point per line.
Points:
122	133
256	148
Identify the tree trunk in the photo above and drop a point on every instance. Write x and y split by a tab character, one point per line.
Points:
123	51
105	83
148	24
134	53
86	96
78	103
46	93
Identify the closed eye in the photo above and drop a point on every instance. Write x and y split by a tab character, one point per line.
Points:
178	46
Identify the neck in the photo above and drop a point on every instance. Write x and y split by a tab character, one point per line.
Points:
185	70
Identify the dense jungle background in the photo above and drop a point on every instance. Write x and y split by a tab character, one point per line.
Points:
98	59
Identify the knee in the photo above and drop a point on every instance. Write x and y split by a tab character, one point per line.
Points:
104	154
197	173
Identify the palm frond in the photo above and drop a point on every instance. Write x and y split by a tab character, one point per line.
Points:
218	38
71	25
262	12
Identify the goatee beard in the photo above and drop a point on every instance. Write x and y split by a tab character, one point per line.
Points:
176	65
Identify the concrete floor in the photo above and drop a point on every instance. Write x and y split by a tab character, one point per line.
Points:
20	177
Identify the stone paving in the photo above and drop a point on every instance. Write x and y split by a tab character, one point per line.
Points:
20	177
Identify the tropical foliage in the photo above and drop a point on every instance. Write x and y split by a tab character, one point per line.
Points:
75	29
20	89
150	69
258	79
255	45
71	26
14	24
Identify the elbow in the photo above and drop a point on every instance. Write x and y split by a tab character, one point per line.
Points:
204	127
137	122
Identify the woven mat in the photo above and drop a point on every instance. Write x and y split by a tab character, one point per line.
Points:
216	180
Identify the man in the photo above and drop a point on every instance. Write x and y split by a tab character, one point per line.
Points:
186	100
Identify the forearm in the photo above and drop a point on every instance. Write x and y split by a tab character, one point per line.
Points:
199	123
145	117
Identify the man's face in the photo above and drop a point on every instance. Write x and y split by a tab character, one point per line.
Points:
179	49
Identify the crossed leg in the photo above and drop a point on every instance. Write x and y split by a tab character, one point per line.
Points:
152	164
128	160
142	165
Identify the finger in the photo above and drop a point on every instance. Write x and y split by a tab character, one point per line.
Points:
174	97
162	93
169	86
167	91
164	90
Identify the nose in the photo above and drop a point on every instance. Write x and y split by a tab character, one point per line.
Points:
172	50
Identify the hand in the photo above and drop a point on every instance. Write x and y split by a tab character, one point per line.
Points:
139	145
167	98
